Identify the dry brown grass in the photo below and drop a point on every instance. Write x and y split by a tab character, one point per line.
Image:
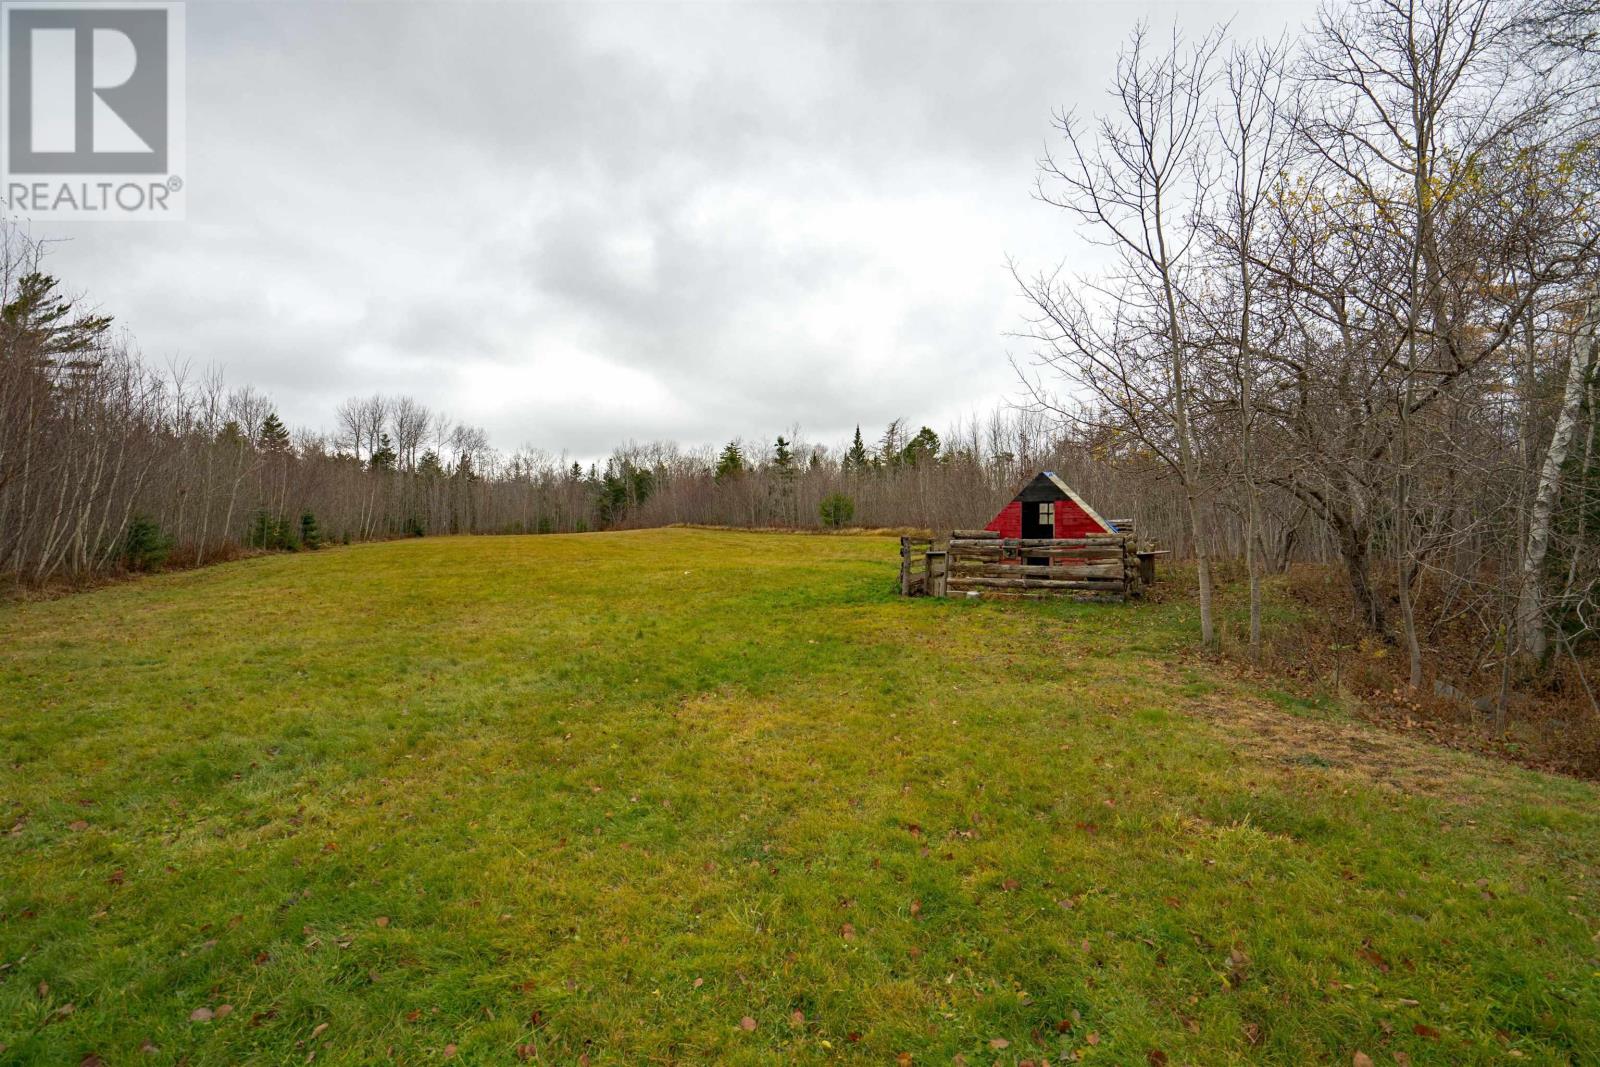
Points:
1314	643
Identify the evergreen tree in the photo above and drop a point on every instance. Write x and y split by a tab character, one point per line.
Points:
921	448
274	436
44	328
262	530
383	459
429	466
836	510
310	533
783	455
731	463
856	458
144	547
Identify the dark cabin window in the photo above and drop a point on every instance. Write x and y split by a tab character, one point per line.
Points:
1047	517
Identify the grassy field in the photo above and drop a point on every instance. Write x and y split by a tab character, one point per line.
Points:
687	797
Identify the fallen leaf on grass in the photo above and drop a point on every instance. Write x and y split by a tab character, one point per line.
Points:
698	982
848	932
149	1048
91	1060
1093	1038
200	1015
223	1011
999	1043
1422	1030
526	1052
747	1024
382	920
77	827
797	1018
1156	1058
1360	1059
449	1052
317	1031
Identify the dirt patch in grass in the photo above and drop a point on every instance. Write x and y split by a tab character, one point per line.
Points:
1403	761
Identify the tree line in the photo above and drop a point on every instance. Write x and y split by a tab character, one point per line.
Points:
1355	272
109	463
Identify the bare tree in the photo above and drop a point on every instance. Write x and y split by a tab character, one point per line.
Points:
1139	180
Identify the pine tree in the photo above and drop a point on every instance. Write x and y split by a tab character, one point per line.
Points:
262	529
283	536
856	458
144	547
310	532
836	510
384	458
731	463
783	455
274	436
921	448
44	328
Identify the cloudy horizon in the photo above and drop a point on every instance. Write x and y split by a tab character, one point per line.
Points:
580	225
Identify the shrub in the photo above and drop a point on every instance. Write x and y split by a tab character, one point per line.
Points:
310	532
836	510
262	530
269	533
284	536
144	546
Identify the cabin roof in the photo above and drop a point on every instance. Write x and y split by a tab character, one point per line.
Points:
1047	485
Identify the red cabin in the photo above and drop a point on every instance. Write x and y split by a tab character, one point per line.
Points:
1047	507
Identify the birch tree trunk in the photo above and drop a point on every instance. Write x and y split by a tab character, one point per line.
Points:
1530	603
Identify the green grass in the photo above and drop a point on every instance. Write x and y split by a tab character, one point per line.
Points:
613	794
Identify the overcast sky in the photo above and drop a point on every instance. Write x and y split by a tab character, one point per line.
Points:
575	225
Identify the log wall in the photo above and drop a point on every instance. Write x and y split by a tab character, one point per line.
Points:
981	563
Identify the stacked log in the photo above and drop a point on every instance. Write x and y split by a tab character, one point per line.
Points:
990	565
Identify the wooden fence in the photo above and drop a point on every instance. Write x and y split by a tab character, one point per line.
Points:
981	563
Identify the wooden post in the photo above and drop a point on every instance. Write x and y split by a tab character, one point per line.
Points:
938	568
905	566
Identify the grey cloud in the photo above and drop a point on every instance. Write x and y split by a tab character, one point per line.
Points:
735	218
